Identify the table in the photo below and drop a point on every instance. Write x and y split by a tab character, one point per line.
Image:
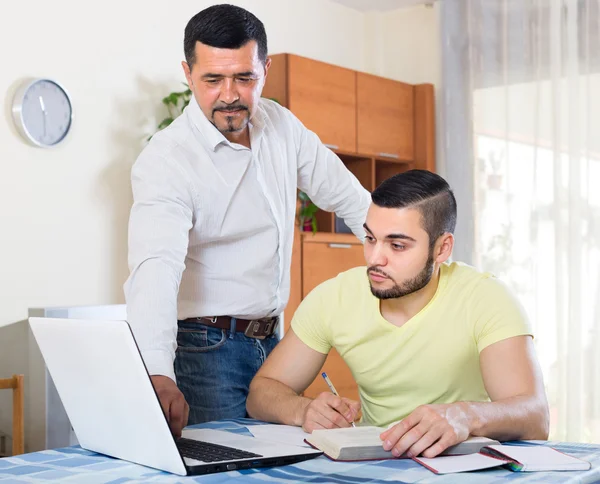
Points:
76	465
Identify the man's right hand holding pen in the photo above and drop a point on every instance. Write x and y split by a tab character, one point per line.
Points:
329	411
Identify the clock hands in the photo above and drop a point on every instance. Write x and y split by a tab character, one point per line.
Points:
43	112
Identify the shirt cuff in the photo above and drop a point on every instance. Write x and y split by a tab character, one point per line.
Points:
498	336
159	362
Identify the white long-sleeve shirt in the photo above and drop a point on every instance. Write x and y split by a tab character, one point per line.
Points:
212	223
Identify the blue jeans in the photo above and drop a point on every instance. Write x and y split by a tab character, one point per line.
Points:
214	368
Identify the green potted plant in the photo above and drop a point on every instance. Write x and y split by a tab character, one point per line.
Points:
307	213
175	103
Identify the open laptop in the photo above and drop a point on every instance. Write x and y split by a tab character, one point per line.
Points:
107	393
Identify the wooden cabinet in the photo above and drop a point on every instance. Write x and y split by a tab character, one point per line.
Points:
378	127
385	115
322	96
325	256
424	126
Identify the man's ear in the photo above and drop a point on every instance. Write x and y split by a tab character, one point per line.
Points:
443	248
188	73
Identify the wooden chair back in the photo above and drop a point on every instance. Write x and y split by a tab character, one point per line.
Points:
18	438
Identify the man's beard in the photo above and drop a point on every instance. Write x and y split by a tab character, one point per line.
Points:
230	120
407	287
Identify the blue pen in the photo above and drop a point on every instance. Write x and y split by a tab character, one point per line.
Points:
332	388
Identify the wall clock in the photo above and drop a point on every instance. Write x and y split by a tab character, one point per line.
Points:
42	112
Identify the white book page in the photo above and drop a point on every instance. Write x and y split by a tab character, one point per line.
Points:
540	457
459	463
283	434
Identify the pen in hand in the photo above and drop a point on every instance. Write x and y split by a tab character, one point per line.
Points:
332	388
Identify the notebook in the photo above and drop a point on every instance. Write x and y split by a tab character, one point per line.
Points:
516	458
364	443
281	434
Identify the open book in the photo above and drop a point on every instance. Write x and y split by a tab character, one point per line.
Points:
363	443
515	457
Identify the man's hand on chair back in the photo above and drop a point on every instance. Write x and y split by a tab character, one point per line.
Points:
172	402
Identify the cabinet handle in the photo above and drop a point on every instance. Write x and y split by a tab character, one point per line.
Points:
331	147
389	155
340	246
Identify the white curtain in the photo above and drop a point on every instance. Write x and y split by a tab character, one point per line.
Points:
521	119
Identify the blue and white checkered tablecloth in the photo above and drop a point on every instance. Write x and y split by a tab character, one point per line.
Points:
75	465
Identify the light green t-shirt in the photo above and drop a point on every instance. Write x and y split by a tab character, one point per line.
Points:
432	358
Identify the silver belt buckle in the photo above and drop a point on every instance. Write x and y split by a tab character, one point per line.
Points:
253	329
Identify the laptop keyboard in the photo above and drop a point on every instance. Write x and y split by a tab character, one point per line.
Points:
209	452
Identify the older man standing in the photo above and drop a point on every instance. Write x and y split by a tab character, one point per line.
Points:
211	228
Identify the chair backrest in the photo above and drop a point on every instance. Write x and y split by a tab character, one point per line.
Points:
18	437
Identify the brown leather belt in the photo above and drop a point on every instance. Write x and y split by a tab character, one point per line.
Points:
253	328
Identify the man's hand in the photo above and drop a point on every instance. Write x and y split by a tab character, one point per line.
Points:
328	411
428	430
172	402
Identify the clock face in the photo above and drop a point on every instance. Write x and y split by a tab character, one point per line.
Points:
43	112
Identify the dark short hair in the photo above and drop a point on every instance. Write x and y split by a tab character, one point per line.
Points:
425	191
226	27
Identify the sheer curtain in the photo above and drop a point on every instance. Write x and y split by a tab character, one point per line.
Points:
521	119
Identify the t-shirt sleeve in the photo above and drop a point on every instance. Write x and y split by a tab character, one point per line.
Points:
311	322
498	314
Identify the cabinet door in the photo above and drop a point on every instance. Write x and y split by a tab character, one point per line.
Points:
327	257
322	261
385	117
323	97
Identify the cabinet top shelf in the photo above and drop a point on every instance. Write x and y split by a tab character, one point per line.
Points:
330	238
364	156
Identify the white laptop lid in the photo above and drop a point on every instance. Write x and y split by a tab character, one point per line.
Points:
108	396
118	414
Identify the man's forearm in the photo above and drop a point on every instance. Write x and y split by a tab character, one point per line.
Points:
151	297
516	418
272	401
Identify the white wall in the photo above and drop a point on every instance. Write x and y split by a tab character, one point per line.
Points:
404	44
64	211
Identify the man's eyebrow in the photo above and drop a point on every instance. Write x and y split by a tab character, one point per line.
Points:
400	236
392	236
210	75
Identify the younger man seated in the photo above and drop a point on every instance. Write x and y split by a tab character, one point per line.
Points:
443	347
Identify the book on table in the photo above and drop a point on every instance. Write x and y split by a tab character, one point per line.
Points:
475	453
364	443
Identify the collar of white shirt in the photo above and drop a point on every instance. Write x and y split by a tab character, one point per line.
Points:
214	137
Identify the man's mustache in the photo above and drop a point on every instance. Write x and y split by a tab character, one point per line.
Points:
231	107
377	271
